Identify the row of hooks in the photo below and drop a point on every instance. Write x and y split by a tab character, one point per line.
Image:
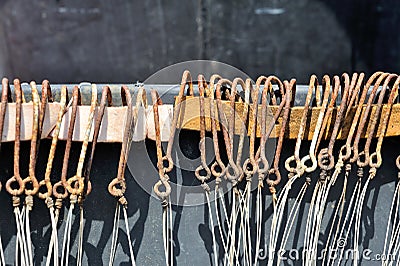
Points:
240	241
76	187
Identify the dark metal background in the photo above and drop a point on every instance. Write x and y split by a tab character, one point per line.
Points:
124	41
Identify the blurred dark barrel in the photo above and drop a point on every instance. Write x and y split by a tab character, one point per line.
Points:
125	41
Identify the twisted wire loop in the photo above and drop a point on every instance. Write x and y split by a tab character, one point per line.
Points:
338	223
320	125
286	101
186	79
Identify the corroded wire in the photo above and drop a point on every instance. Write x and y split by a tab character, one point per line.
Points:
17	177
290	87
393	94
117	186
106	99
296	157
186	79
228	138
62	184
265	133
203	166
34	145
78	189
164	179
348	146
210	90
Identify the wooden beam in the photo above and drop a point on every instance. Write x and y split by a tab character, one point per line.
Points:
190	119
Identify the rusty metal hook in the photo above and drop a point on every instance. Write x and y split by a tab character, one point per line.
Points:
247	88
46	181
17	177
62	185
106	99
162	195
186	79
264	133
79	187
320	126
117	187
227	133
393	94
34	144
346	152
218	162
326	160
275	168
296	157
364	120
203	166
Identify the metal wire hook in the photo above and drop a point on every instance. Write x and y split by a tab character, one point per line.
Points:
46	181
275	169
264	133
349	147
186	79
364	120
201	85
228	134
247	88
79	187
319	127
393	94
218	162
161	171
106	99
296	157
17	178
34	144
117	186
62	184
326	160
